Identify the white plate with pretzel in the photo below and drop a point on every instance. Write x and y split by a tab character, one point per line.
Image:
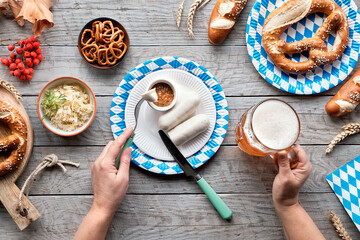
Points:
329	60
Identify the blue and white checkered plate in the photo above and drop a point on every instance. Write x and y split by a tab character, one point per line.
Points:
322	78
141	72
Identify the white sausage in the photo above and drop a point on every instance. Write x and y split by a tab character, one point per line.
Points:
189	129
150	96
185	106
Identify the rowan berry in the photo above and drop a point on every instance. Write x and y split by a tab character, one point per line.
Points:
40	57
22	78
18	60
5	61
21	66
26	72
33	39
36	61
21	43
19	50
28	47
12	73
28	77
36	45
13	55
38	51
11	47
31	71
10	61
29	64
27	41
17	73
33	54
12	66
27	54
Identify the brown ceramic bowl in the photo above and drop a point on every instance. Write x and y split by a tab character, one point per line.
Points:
116	24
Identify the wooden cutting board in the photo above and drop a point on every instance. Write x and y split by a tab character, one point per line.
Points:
9	192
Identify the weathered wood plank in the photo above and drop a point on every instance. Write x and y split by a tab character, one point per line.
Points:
147	22
317	127
176	216
229	171
230	65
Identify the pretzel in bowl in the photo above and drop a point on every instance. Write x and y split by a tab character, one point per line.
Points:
16	142
292	12
103	43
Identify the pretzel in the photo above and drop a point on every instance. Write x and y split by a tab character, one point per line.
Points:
104	45
90	52
292	12
16	141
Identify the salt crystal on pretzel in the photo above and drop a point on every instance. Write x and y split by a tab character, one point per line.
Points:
292	12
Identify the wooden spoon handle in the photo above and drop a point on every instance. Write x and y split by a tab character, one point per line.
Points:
9	196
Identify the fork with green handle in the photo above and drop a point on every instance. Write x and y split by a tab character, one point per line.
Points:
131	138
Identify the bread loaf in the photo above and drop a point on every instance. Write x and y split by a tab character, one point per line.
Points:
223	19
347	98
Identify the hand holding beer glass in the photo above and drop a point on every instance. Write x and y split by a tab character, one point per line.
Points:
267	128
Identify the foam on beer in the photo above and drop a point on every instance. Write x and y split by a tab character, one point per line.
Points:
275	124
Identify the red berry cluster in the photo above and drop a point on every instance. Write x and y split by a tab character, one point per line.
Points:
28	50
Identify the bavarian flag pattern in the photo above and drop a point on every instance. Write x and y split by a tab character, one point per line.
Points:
322	78
121	95
345	182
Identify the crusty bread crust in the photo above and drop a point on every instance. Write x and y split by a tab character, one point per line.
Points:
16	142
222	20
346	99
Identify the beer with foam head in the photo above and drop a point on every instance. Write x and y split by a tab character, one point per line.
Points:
267	128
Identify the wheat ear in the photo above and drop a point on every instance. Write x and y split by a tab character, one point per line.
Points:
179	13
11	89
190	20
203	4
348	129
340	229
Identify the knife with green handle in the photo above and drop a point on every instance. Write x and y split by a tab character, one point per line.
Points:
217	202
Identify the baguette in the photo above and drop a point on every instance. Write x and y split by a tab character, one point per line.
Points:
346	99
223	19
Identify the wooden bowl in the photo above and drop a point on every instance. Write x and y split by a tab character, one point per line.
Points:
115	24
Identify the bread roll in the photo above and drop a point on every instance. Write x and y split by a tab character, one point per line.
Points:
189	129
347	98
223	19
185	106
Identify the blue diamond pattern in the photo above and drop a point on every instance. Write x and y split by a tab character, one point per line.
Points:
344	183
135	75
306	83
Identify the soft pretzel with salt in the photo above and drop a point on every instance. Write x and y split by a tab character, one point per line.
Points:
292	12
16	142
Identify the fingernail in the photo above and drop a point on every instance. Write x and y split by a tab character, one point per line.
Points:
282	155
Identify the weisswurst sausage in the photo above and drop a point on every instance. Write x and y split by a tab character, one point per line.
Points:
185	106
189	129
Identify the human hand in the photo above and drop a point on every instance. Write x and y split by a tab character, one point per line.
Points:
288	182
109	184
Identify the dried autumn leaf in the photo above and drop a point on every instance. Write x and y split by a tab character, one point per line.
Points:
15	6
38	13
3	6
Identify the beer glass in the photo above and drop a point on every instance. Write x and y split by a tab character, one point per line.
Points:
267	128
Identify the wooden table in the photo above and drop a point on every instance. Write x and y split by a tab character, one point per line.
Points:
168	207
